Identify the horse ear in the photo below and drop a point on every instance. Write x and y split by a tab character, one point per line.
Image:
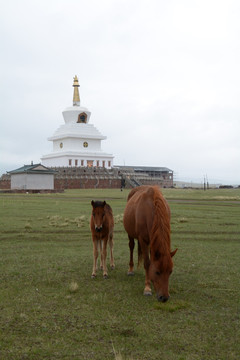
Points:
92	203
104	203
172	253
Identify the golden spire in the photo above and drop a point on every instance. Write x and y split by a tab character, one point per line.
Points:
76	97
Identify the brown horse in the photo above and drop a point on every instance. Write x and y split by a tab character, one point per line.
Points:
147	219
102	224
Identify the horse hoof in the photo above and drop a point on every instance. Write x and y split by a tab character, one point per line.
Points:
93	276
112	267
147	293
105	276
130	273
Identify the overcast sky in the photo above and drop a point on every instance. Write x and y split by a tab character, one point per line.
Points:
161	78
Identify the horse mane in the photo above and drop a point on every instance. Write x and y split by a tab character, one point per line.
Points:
160	232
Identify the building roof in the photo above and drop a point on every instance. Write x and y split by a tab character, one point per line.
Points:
146	168
32	169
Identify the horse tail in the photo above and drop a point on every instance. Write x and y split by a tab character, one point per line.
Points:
140	255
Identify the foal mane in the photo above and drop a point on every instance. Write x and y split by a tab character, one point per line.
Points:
160	232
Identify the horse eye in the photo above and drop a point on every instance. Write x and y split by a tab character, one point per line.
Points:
158	273
93	214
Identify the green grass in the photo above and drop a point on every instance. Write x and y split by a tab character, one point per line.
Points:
50	308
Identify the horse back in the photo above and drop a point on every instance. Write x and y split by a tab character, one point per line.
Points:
139	212
137	189
141	208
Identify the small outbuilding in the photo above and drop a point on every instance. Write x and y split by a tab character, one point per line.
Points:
32	177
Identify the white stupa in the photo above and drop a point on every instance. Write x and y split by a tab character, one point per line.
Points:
77	143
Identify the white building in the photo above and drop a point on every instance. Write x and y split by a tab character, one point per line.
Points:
77	143
32	177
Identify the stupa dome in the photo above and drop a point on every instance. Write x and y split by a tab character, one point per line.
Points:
76	114
77	143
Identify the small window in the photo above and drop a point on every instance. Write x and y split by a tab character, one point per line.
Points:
109	163
82	118
85	144
70	162
82	162
76	163
97	163
103	163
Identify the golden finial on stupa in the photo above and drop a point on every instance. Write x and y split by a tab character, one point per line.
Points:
76	97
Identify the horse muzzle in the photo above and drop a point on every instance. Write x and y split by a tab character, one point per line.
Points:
162	298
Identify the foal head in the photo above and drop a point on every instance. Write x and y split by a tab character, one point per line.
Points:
160	270
98	214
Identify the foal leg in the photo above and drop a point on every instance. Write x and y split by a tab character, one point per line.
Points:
111	251
104	257
101	254
131	248
95	256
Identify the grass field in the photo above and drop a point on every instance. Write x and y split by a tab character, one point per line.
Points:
50	308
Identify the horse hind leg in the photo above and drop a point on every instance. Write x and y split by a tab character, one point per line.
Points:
131	263
111	251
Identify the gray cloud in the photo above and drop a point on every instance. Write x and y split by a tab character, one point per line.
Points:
160	78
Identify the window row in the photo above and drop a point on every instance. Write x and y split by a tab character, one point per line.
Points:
89	163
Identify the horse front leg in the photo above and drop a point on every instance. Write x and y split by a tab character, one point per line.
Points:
147	288
145	251
95	256
131	248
